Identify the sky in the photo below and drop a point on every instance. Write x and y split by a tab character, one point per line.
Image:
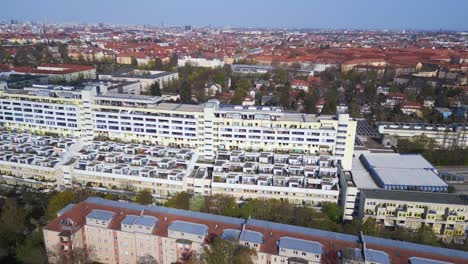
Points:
341	14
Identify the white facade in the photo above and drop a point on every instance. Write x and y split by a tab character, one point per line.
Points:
200	62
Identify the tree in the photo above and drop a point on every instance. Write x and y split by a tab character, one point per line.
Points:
158	64
59	201
144	197
134	61
185	92
111	196
12	227
63	50
181	200
310	101
283	93
333	211
155	89
222	205
425	235
197	203
173	62
32	249
226	251
219	78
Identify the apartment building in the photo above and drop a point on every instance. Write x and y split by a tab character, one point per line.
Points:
144	78
200	62
33	160
444	135
133	167
92	111
446	214
302	179
61	110
385	171
122	232
60	72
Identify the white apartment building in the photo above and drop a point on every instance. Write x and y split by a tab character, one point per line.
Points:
302	179
444	135
92	111
61	110
446	214
144	78
200	62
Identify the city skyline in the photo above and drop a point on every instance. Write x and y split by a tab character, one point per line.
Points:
395	15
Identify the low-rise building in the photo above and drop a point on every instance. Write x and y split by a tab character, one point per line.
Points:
302	179
444	135
445	214
120	232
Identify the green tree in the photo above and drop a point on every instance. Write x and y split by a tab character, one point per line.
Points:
283	94
155	89
181	200
197	203
63	50
134	62
144	197
226	251
219	78
32	250
333	211
111	196
310	102
59	201
185	92
158	64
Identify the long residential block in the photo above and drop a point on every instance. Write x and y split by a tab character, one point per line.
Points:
120	232
91	112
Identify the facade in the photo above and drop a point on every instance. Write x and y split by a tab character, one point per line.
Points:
61	72
446	214
133	167
120	232
62	110
302	179
33	160
200	62
92	112
444	135
144	78
170	147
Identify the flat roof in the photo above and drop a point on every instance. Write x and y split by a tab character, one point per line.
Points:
251	236
417	260
401	170
422	197
376	256
101	215
146	220
361	177
300	244
188	227
230	234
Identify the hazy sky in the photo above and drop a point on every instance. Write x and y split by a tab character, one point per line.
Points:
378	14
